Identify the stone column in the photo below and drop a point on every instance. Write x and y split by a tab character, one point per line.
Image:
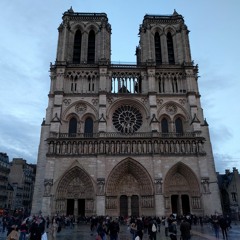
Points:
75	207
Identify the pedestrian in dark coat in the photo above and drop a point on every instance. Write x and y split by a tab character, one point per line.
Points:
185	228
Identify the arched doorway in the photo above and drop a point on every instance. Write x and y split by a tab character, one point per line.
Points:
129	190
75	194
182	191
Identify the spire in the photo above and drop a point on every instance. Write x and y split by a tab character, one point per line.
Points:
175	12
70	10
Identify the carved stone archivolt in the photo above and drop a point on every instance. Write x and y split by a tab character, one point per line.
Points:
180	178
76	183
171	108
138	180
80	108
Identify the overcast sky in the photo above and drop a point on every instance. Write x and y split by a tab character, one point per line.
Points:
28	43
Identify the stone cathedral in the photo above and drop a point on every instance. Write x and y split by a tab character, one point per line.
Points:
124	139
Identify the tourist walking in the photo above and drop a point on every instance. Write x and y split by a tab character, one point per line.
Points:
185	228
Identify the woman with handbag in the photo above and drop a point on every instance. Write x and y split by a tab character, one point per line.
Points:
14	235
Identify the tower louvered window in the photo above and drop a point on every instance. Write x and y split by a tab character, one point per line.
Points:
72	130
164	125
91	47
179	125
77	47
171	59
158	52
88	128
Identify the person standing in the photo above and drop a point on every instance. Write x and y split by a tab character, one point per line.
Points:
114	229
215	225
152	230
13	235
185	228
23	230
223	225
165	222
172	227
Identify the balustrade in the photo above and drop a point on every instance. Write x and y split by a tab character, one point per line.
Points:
125	144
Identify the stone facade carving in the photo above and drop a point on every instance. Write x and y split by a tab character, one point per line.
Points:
47	186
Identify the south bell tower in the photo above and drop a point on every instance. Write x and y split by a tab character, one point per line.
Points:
124	139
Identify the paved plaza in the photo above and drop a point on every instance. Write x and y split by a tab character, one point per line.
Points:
82	232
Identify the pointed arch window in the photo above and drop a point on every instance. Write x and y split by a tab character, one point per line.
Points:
91	47
72	128
171	59
88	128
179	125
158	52
164	125
77	47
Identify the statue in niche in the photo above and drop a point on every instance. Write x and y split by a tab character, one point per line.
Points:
158	185
128	147
101	184
139	147
182	147
144	147
205	185
123	147
107	147
118	147
112	148
101	147
47	186
90	147
134	147
149	147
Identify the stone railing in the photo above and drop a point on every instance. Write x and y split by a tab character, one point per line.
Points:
122	144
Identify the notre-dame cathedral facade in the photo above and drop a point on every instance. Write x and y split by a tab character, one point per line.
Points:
124	139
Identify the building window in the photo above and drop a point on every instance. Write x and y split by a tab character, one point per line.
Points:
91	47
72	130
179	125
77	47
171	59
88	128
164	125
234	197
158	52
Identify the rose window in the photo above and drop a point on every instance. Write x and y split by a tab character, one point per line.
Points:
127	119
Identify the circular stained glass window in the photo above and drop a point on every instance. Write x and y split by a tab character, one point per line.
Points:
127	119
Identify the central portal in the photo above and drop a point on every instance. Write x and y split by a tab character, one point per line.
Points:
129	206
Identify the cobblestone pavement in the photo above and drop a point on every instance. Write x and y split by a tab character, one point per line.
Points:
82	232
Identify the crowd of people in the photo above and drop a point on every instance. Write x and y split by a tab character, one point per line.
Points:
105	227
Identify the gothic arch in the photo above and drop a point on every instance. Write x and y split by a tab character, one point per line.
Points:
76	27
75	183
180	110
93	27
180	178
128	101
170	29
71	109
129	169
157	29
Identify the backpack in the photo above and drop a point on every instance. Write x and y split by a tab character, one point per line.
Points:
154	229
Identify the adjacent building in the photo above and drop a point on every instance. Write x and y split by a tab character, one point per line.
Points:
124	139
4	172
21	179
229	185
